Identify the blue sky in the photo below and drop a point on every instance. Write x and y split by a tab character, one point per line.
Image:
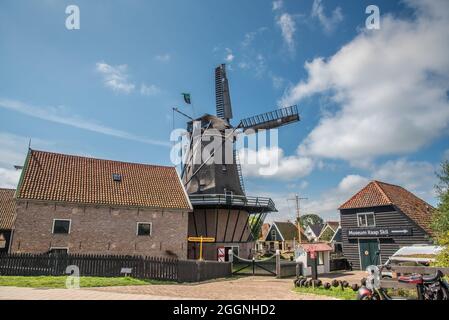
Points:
374	103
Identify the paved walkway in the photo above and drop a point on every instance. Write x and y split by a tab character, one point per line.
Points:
15	293
245	288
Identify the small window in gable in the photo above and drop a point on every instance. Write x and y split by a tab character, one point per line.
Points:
144	228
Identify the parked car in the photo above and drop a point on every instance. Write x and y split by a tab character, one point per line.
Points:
416	255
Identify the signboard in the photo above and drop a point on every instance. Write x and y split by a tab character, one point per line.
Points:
126	270
378	232
221	254
200	239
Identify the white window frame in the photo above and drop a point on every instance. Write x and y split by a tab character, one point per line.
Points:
273	235
59	248
365	214
144	235
57	219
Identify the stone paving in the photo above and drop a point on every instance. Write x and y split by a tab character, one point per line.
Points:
244	288
15	293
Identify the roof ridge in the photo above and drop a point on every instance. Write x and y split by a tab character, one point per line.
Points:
408	191
9	189
382	191
355	195
101	159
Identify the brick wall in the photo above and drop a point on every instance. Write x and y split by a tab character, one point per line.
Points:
99	230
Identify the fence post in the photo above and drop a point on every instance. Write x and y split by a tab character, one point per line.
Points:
278	263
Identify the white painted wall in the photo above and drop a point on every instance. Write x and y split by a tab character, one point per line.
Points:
307	271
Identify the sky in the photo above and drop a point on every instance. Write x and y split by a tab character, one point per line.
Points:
374	103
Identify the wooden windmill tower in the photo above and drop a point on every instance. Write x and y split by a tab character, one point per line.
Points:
222	210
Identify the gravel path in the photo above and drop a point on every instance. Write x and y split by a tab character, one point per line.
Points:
245	288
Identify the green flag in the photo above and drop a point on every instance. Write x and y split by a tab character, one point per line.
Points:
186	97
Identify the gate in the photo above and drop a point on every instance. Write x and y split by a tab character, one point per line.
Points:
263	267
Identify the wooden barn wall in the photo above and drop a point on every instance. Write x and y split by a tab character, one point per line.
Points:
385	216
224	225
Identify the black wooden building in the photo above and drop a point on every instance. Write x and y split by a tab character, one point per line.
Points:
380	219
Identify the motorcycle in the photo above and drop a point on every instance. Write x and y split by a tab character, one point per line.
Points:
428	287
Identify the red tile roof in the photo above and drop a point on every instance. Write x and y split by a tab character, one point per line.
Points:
66	178
317	247
378	193
7	208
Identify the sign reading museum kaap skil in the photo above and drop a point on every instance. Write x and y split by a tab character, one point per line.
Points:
378	232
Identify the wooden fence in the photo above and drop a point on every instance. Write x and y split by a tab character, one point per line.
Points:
158	268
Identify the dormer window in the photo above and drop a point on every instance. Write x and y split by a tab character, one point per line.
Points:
117	177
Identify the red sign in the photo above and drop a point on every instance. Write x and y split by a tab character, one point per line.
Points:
221	254
312	255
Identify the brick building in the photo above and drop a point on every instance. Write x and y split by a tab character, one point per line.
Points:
84	205
7	215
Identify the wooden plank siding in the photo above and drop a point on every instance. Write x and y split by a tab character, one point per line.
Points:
385	216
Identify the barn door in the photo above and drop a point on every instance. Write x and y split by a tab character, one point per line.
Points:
368	252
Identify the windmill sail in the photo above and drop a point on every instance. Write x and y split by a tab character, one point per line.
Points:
271	119
223	99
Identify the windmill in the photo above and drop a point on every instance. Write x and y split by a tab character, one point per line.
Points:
222	209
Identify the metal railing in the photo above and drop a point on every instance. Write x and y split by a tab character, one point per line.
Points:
270	116
233	200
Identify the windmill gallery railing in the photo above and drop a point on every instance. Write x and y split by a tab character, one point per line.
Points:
259	204
271	119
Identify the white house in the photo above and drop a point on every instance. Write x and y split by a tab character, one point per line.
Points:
322	252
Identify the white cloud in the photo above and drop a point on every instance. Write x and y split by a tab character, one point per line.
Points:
229	56
288	28
61	116
149	90
163	57
9	178
277	81
115	77
271	163
392	93
417	176
352	183
13	151
328	22
277	4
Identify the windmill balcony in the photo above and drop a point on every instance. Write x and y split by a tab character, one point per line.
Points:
250	204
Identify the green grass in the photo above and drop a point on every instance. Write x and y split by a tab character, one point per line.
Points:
85	282
346	294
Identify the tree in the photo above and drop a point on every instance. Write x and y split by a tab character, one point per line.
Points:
440	219
309	219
